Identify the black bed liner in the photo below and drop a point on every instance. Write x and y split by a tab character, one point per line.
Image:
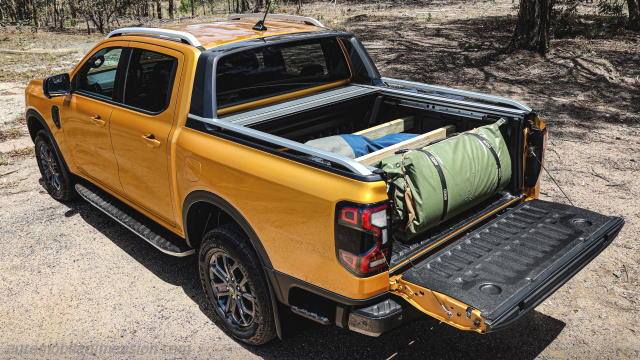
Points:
512	263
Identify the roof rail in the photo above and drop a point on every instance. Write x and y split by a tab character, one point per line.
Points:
283	17
182	36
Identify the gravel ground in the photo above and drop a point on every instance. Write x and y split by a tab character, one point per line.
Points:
76	284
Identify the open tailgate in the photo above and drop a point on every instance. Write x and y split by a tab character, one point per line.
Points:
491	276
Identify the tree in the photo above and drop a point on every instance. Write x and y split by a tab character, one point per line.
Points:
634	14
101	13
171	9
532	27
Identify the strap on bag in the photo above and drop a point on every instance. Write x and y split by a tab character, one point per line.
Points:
443	182
488	145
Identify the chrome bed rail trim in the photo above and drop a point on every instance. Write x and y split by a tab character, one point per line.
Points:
305	103
470	95
348	163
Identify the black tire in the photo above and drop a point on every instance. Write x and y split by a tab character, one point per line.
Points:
56	179
225	251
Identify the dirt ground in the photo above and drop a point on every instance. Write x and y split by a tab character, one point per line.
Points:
74	283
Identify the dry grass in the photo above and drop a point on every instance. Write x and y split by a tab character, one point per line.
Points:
20	121
17	154
21	153
11	133
25	55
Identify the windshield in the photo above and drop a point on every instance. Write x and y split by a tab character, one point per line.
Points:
273	70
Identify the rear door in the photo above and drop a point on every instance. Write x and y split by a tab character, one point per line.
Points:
141	126
489	277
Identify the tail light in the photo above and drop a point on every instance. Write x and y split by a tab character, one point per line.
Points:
361	235
534	157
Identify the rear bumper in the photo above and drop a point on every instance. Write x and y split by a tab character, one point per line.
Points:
376	319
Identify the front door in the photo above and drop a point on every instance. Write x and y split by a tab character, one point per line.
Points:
87	114
140	128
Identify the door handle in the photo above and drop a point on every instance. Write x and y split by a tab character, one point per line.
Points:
151	140
97	120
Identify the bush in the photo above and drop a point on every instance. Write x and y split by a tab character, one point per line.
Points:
611	7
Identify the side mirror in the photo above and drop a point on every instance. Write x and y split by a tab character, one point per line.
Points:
57	85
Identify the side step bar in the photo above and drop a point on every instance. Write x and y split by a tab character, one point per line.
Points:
152	233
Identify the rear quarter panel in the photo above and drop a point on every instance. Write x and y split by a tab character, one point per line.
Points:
289	205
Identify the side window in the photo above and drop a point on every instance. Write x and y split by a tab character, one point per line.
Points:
149	80
98	75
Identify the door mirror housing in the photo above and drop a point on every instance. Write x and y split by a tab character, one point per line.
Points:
57	85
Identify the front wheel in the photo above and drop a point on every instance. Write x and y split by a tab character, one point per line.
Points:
55	177
235	286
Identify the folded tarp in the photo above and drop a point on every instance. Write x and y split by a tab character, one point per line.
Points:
353	146
431	185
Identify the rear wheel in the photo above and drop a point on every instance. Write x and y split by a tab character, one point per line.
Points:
55	177
235	286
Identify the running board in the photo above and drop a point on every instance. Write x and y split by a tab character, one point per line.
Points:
149	231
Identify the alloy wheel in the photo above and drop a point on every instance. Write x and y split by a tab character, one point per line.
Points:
233	295
50	168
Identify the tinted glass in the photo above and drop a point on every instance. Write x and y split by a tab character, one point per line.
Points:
98	74
149	80
276	69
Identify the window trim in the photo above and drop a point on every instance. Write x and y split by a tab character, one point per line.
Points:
124	82
218	112
118	98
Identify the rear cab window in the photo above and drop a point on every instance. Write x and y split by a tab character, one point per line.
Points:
260	73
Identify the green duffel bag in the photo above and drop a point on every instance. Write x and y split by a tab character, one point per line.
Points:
431	185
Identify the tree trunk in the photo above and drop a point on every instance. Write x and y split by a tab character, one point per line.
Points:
193	8
159	9
171	9
72	10
34	9
532	28
634	14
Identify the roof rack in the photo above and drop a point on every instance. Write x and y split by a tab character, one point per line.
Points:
284	17
182	36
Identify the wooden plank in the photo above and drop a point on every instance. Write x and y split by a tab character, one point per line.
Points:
391	127
414	143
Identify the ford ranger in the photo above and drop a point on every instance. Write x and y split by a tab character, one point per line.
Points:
211	140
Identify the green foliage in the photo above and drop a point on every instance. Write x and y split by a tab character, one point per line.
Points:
611	7
185	6
427	18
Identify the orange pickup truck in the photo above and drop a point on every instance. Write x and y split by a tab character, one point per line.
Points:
199	139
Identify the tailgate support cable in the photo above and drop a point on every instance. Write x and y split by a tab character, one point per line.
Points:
533	154
446	311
